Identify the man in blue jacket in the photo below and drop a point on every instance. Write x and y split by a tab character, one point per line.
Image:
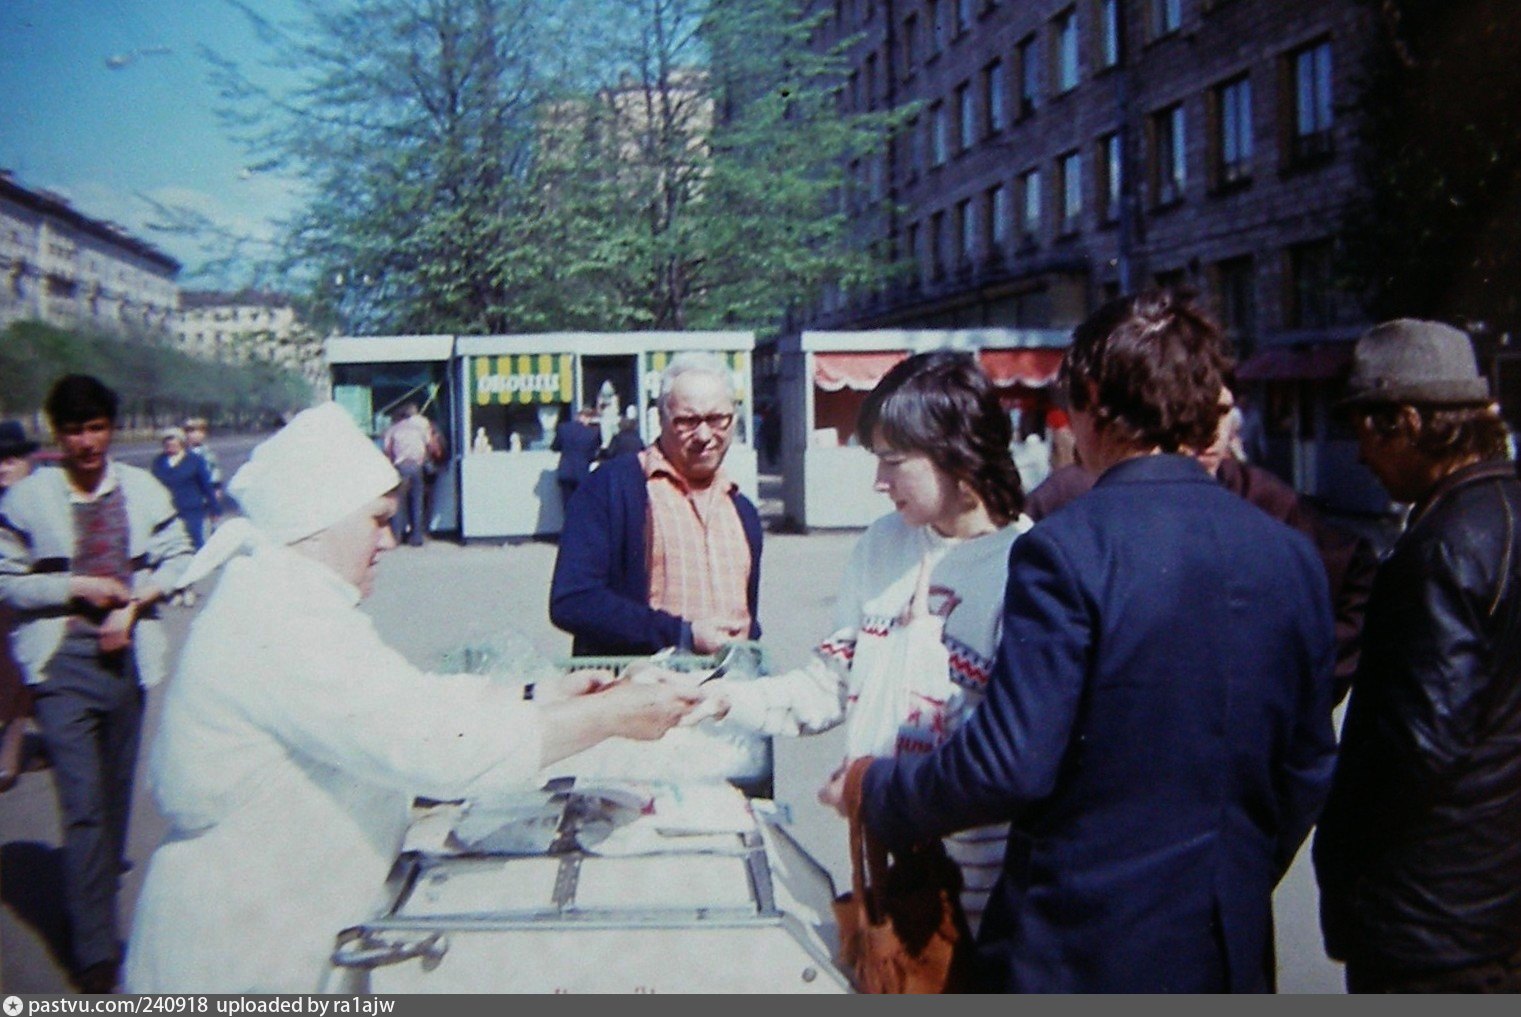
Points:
1158	725
660	549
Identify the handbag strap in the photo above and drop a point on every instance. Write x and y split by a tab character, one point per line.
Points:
868	855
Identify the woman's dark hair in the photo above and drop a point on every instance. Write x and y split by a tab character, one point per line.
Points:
1156	363
1448	433
77	399
941	404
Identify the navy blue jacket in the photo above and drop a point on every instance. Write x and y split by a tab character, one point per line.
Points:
1158	731
578	445
600	592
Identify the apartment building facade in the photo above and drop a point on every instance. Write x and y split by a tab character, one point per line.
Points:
62	267
251	326
1060	152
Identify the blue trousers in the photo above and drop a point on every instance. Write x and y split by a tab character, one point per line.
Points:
90	711
409	523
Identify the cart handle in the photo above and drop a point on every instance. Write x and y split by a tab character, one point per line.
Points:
359	948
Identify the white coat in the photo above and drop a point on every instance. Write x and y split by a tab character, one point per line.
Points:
292	743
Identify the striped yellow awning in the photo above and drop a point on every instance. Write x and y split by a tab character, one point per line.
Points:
522	378
738	362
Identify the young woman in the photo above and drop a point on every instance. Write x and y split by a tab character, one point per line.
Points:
917	616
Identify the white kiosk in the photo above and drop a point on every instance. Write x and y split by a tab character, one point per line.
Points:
514	389
372	375
825	377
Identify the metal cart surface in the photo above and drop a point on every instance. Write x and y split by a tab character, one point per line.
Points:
599	887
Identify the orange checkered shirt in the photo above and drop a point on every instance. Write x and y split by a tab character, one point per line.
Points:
698	557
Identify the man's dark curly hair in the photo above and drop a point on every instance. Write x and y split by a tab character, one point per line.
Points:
1156	363
943	405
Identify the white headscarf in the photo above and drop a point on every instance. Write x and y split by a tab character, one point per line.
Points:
310	474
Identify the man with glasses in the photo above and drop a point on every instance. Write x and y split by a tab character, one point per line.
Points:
661	549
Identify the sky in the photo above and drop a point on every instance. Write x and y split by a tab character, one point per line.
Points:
109	102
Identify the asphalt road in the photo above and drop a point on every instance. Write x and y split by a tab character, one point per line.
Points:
431	600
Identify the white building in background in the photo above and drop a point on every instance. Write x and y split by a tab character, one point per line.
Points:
251	326
61	267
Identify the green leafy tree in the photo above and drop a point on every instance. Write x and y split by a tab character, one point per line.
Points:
410	124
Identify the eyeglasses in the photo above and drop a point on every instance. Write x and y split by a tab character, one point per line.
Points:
690	422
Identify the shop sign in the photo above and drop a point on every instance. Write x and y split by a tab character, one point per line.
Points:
522	378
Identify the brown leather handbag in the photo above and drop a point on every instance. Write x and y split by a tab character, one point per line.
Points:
902	929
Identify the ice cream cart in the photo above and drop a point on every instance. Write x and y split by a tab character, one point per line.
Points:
603	887
637	867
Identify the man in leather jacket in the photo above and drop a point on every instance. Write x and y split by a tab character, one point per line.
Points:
1418	853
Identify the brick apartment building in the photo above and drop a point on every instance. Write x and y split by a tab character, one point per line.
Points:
1064	151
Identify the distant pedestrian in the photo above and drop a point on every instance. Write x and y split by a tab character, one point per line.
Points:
578	440
188	478
195	441
15	697
1418	853
627	439
406	443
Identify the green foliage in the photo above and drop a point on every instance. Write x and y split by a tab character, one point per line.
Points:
1436	235
488	166
156	382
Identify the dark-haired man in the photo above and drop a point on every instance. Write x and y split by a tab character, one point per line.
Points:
1419	850
1157	729
86	552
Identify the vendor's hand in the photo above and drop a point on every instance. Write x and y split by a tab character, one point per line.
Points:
569	684
116	629
99	591
708	634
147	594
645	712
714	704
832	793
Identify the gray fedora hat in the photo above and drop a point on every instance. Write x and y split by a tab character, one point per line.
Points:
13	440
1413	361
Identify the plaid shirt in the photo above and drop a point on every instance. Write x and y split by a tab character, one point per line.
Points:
699	559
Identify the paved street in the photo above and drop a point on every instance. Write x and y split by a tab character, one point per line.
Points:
433	599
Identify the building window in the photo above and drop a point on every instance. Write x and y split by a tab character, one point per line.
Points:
1029	206
1310	83
1169	164
910	48
939	135
964	13
1232	141
911	242
966	230
967	133
995	218
871	81
1109	32
937	245
1029	75
1236	296
1064	52
1166	16
1110	169
938	24
1312	294
994	96
914	135
1070	166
